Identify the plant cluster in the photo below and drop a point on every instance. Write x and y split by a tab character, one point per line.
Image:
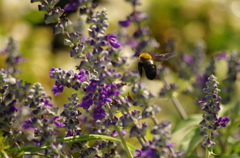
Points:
110	106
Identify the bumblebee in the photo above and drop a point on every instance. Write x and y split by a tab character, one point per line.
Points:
146	63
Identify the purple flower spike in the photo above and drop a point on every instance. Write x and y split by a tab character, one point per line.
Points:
112	40
223	121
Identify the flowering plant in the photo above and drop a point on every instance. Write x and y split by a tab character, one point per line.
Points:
111	112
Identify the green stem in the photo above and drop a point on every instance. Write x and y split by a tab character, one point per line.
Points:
207	153
177	104
124	143
179	107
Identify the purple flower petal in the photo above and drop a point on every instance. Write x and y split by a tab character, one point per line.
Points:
57	89
125	23
222	121
86	102
99	113
92	86
113	41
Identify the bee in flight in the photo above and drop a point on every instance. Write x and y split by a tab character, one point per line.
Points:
146	63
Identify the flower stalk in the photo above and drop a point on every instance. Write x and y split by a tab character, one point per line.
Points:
124	143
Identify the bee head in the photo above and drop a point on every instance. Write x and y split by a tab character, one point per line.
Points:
145	56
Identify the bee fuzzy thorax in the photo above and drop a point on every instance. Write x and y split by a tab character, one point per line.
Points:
145	56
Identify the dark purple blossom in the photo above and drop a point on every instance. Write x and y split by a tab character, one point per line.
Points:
81	76
87	101
113	41
12	108
106	93
222	121
37	142
57	89
72	5
92	86
103	98
52	70
125	23
29	123
146	153
47	102
99	113
57	123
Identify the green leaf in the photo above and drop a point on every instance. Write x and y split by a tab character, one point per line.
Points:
191	141
188	124
91	137
73	139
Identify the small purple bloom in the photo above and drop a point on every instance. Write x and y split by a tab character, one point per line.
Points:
149	152
81	76
12	108
103	98
114	133
57	123
92	86
47	103
99	113
137	16
51	72
188	59
220	56
38	143
57	89
87	101
19	59
170	145
223	121
29	123
113	41
72	5
125	23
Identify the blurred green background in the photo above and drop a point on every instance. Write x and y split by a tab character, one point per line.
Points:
213	22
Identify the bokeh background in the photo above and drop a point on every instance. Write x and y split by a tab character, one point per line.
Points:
215	23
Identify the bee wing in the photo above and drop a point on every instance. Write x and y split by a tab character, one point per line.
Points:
162	57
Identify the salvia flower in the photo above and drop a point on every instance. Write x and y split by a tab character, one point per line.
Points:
211	107
113	41
125	23
72	5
